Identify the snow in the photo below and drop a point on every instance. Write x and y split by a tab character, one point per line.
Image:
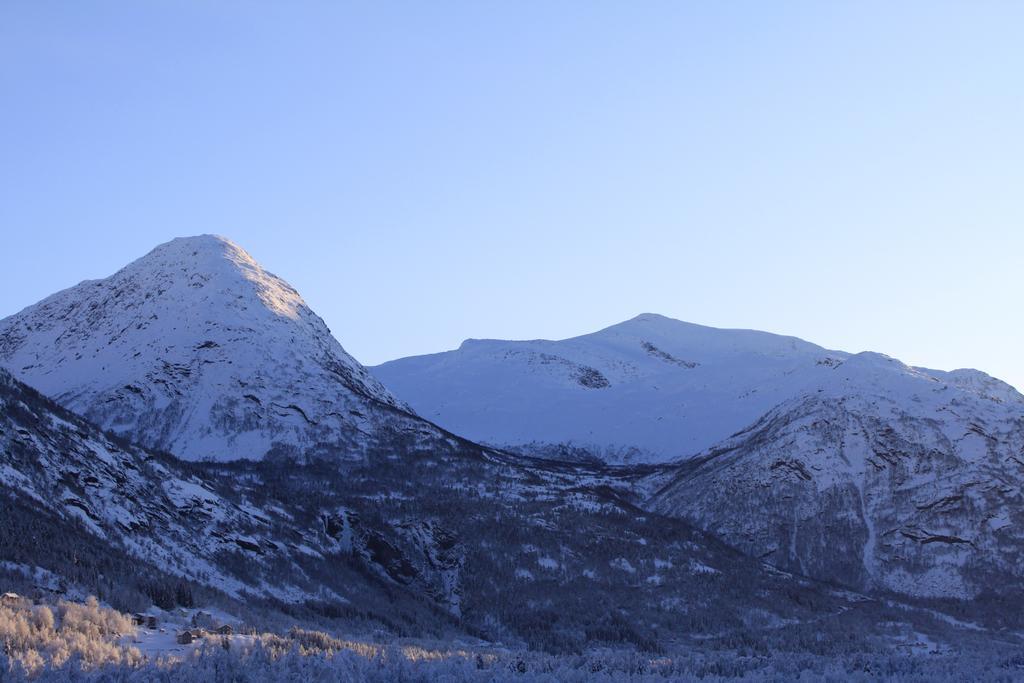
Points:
622	564
162	642
150	509
43	579
929	465
197	350
548	562
701	568
673	388
791	439
201	351
16	480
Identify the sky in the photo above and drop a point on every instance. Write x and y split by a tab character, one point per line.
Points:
425	172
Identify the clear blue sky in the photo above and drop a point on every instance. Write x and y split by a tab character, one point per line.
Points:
848	172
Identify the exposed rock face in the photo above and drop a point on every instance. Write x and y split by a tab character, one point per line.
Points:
417	554
196	350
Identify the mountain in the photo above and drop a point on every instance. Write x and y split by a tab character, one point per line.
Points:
70	491
853	468
884	477
95	513
860	472
195	349
649	389
447	542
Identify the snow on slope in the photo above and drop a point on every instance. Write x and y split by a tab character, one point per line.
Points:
886	476
850	468
650	388
148	508
407	543
195	349
214	526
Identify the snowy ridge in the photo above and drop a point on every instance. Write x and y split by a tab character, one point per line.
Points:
196	349
649	389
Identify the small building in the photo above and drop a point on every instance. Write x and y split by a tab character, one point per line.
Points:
224	630
185	638
138	619
11	600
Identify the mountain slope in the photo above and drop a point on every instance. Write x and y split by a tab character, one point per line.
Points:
648	389
195	349
146	506
884	477
456	541
849	468
148	521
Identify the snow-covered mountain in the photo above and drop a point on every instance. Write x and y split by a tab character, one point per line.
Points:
885	476
115	498
649	389
197	350
853	469
847	467
456	540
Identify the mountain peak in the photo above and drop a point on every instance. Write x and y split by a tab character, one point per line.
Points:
691	338
656	320
196	349
203	241
199	252
650	387
653	318
212	259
